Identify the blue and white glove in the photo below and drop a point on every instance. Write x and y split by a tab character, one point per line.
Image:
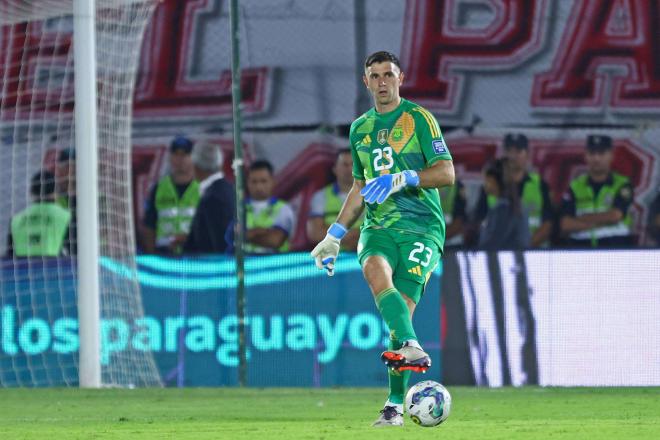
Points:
379	189
325	253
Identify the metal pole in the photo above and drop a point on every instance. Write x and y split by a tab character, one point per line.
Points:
363	99
238	173
87	241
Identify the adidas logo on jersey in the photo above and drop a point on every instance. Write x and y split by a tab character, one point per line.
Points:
417	270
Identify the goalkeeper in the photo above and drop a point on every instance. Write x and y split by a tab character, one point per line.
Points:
399	160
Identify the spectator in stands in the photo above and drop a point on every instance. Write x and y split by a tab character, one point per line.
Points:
327	202
65	192
172	202
41	229
595	207
654	219
216	211
533	191
269	221
506	225
454	205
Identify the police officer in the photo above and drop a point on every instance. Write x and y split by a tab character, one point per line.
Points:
595	206
42	229
269	221
327	202
533	190
172	202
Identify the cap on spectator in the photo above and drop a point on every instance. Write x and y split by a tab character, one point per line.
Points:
515	140
181	143
66	154
207	156
598	143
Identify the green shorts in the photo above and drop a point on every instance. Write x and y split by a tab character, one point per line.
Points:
412	257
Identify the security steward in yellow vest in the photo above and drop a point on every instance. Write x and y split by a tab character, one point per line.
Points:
172	202
269	221
533	191
327	202
595	206
41	229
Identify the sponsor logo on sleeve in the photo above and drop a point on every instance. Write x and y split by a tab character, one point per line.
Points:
439	146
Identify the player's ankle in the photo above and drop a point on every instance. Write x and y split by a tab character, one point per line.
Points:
412	343
398	406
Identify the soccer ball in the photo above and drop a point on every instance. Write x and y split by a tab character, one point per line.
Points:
428	403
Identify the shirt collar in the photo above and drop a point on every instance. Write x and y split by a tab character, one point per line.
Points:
204	184
608	181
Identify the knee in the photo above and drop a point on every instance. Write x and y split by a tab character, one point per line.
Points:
378	274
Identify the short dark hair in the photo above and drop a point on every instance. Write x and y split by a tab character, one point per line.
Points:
261	164
42	184
343	151
495	169
500	170
382	57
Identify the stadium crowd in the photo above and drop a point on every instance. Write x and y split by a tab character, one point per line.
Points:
191	209
515	209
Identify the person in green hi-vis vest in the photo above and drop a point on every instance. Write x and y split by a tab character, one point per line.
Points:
269	221
172	202
595	207
327	202
41	229
400	159
533	191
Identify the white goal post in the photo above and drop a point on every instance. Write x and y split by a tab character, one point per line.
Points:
67	75
87	210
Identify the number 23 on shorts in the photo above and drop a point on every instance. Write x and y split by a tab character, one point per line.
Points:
422	259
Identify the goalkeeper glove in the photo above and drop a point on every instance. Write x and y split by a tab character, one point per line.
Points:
325	253
379	189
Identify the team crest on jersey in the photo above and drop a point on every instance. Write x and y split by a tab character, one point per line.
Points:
439	146
397	134
382	136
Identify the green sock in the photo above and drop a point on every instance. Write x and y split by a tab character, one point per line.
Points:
398	379
394	310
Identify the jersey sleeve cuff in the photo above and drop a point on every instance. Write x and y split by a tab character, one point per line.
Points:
435	159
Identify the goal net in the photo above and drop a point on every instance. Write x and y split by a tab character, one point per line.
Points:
38	228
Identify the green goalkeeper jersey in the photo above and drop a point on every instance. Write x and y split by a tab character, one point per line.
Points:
407	138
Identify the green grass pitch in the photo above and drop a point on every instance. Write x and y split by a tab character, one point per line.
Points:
346	413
